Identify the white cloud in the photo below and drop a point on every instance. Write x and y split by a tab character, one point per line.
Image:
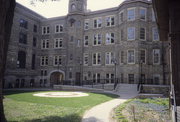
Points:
60	8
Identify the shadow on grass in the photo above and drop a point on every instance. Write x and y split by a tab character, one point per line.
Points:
68	118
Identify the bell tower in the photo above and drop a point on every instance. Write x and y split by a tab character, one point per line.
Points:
77	6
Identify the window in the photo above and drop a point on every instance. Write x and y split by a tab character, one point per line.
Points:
73	7
122	77
72	39
85	59
35	28
57	60
22	38
21	62
58	43
45	44
131	14
97	39
121	17
43	72
59	28
96	77
122	57
156	56
110	21
153	16
131	56
156	79
33	61
142	34
97	23
23	23
155	34
109	38
78	43
70	75
109	58
96	59
34	41
86	24
109	78
86	41
131	33
71	57
131	78
45	30
44	60
142	13
121	34
143	56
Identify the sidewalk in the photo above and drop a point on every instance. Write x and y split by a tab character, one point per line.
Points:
101	113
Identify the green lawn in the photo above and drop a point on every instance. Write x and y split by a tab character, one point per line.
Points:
143	110
24	107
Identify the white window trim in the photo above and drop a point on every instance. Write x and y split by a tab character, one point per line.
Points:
110	39
44	60
86	20
97	39
134	34
145	13
59	26
86	55
153	31
110	58
120	17
58	57
46	30
145	55
110	20
134	13
97	18
144	34
87	41
159	57
96	59
45	44
59	40
134	56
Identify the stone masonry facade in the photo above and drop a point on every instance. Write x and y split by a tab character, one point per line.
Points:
117	43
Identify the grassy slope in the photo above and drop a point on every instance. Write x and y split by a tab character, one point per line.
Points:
146	110
25	107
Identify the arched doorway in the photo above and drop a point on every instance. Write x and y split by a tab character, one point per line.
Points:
56	78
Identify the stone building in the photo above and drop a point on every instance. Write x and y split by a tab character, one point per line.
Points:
117	43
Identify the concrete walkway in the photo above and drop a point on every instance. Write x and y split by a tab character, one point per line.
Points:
101	113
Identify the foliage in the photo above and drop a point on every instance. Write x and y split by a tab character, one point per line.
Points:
21	106
143	110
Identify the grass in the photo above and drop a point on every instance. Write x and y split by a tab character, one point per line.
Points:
22	106
143	110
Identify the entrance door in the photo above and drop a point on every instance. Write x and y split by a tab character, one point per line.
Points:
56	78
78	79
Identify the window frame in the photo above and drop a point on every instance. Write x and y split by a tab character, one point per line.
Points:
133	56
134	16
134	33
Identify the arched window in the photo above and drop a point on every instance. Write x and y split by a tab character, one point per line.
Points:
73	7
21	63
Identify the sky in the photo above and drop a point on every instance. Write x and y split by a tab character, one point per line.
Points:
60	8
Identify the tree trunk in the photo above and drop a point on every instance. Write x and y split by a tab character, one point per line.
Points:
6	19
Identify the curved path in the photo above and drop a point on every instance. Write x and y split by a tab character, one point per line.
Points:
101	112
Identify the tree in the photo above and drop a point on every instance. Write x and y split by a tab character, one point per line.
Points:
6	19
